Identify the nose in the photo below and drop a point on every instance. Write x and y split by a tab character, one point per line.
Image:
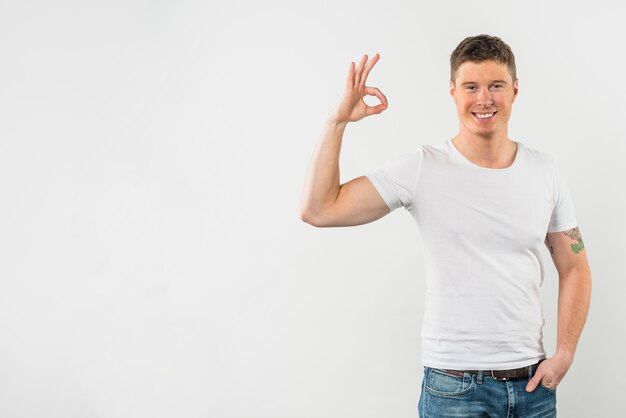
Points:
484	97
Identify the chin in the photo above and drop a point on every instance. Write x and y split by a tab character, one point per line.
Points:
485	132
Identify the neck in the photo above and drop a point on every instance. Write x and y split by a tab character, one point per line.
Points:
492	151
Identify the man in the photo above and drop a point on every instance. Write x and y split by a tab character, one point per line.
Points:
485	204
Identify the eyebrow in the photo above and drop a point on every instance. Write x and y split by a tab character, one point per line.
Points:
474	82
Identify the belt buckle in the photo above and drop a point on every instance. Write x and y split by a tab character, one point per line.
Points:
499	378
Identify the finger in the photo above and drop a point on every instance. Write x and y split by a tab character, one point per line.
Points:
368	68
350	79
362	67
359	70
374	91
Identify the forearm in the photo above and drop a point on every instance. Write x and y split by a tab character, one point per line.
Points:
321	185
573	306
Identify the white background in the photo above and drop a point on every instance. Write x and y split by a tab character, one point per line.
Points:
152	156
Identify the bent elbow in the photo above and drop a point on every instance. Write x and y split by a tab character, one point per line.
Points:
306	217
310	218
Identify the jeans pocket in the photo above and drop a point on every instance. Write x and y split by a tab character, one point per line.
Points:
440	382
547	388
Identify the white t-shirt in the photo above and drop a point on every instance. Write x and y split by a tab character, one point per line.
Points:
482	230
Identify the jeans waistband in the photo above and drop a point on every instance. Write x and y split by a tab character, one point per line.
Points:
519	373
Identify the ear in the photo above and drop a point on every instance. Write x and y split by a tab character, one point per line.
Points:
452	90
515	89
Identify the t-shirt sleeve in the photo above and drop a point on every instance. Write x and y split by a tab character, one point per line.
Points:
563	216
395	180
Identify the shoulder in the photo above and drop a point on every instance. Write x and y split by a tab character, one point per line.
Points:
537	159
433	151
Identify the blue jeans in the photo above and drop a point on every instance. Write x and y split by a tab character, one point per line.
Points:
446	394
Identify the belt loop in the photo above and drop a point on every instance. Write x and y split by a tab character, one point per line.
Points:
529	369
479	377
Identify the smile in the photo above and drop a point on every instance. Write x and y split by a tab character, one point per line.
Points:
484	116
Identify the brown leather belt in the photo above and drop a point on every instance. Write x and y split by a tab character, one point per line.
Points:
522	372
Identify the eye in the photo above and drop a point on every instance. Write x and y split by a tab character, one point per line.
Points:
470	87
498	86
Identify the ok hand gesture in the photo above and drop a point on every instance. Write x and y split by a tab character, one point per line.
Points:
351	107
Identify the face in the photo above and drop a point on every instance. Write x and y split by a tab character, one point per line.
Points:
484	93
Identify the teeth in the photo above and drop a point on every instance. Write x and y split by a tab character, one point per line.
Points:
484	115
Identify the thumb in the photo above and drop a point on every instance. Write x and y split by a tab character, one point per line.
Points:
374	91
534	382
373	110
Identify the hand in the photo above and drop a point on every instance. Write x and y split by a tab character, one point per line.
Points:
550	372
351	107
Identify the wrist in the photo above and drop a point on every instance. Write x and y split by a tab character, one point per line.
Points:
332	120
565	354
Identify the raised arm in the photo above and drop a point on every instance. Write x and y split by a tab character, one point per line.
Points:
324	201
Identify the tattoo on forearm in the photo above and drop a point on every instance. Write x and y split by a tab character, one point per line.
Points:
575	235
547	242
